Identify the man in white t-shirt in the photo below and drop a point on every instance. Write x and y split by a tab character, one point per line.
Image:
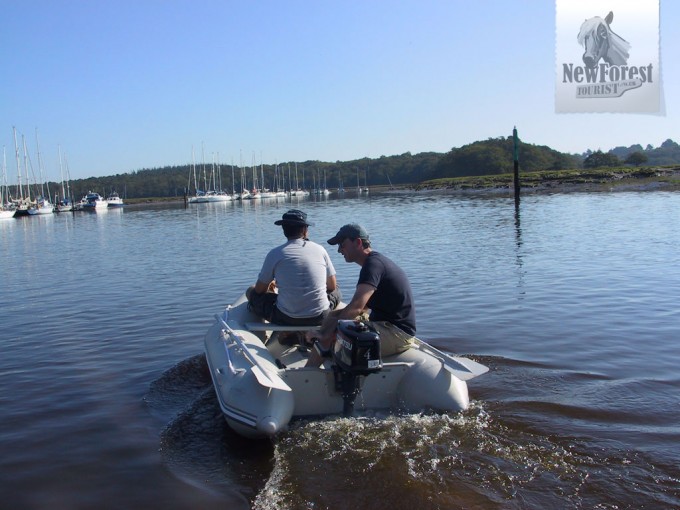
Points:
296	285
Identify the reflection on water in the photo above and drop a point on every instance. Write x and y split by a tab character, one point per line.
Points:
571	300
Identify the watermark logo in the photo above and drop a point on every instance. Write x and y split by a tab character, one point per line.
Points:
598	70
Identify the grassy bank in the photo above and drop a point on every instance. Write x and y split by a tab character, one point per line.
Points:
667	177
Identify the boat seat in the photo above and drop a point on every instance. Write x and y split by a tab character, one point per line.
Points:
268	326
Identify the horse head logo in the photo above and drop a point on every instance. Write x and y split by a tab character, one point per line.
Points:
601	43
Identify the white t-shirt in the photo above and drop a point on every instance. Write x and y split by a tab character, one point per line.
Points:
301	269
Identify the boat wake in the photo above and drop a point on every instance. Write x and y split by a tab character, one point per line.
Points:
491	455
178	387
196	445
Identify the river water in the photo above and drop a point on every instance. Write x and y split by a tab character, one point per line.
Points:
572	300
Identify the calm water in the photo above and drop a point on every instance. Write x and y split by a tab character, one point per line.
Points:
572	300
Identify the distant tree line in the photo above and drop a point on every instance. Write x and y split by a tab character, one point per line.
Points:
492	156
668	153
174	181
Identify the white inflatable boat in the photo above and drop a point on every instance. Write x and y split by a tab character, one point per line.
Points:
262	385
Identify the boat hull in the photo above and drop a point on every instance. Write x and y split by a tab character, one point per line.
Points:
251	409
40	211
257	405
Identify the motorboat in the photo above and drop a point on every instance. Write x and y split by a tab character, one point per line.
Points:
93	202
114	200
262	384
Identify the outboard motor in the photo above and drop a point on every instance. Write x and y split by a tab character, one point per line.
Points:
356	352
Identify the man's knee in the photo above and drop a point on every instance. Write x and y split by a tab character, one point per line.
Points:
249	292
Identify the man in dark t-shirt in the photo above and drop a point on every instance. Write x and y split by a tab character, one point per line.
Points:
392	299
383	287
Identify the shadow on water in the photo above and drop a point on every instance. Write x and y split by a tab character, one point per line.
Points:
500	453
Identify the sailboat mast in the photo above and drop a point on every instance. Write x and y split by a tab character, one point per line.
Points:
3	184
232	177
255	183
262	174
20	190
40	169
68	181
218	186
61	175
205	180
28	185
244	178
193	165
212	172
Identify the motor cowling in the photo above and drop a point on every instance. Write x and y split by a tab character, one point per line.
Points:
356	353
357	348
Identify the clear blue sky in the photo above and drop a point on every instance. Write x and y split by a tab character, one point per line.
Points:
123	85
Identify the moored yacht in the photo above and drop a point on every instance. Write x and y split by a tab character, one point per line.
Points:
114	200
93	202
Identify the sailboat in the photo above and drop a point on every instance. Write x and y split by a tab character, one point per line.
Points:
265	192
255	192
389	180
216	194
199	196
21	203
324	191
279	189
234	196
244	194
222	196
65	204
341	188
299	192
42	206
7	209
42	203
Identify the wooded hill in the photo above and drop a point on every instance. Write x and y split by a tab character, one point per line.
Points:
668	153
488	157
